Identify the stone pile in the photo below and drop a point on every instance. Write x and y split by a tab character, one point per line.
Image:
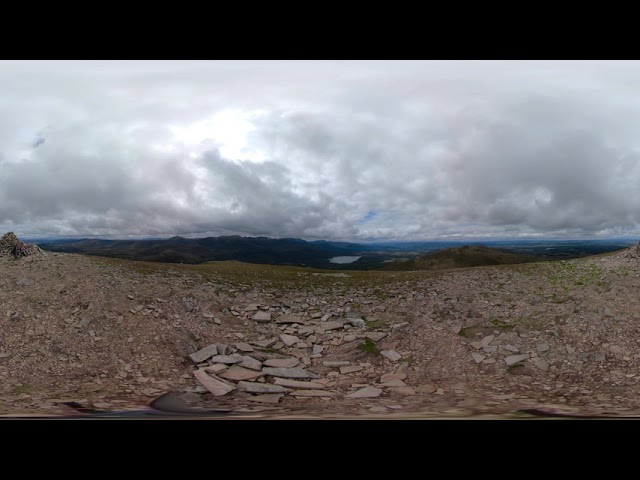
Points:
11	245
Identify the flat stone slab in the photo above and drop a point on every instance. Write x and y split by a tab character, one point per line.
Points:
282	362
201	355
331	326
216	368
271	398
229	359
244	347
262	317
312	393
376	336
513	359
289	372
336	363
213	384
366	392
265	343
350	369
250	362
255	387
478	357
285	382
391	355
289	319
237	373
289	340
390	377
252	307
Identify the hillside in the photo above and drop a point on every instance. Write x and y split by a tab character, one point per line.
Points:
262	250
461	257
280	341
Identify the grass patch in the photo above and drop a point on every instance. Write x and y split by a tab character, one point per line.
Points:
465	332
369	346
21	389
499	324
374	323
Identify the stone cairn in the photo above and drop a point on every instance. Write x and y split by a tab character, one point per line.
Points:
10	245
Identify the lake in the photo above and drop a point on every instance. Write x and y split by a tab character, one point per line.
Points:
343	259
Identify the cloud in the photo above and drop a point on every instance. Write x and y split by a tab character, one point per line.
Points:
338	150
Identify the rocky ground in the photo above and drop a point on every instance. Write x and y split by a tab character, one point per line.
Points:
295	342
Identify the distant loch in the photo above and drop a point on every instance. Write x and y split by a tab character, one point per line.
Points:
344	259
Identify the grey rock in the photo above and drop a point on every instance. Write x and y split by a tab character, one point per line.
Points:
312	393
357	322
285	382
478	357
262	317
250	362
252	307
24	282
489	348
255	387
244	347
376	336
222	349
486	340
366	392
270	398
201	355
391	355
289	340
336	363
237	373
190	304
398	327
476	345
541	364
84	321
281	362
317	349
265	343
456	328
350	369
289	319
335	325
289	372
216	386
512	348
325	317
542	347
306	330
513	359
216	368
570	350
228	359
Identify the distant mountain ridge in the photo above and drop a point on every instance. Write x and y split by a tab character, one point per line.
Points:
281	251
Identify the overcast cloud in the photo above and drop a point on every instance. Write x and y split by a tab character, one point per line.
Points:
345	150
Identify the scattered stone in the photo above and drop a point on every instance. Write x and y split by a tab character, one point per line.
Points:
391	355
404	390
201	355
217	368
456	328
487	340
317	349
265	343
513	359
229	359
325	317
357	322
350	369
512	348
237	373
366	392
489	348
289	372
252	307
332	326
376	336
541	364
212	383
271	398
254	387
570	350
289	319
244	347
476	345
24	282
250	363
336	363
542	347
289	340
398	327
426	388
478	357
389	377
312	393
281	362
285	382
262	317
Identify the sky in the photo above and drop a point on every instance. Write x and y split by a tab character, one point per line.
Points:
338	150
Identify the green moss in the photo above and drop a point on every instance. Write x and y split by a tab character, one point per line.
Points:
497	323
369	346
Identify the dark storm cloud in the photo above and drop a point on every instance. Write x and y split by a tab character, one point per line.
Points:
434	149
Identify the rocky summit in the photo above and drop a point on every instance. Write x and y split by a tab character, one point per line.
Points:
280	341
11	246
